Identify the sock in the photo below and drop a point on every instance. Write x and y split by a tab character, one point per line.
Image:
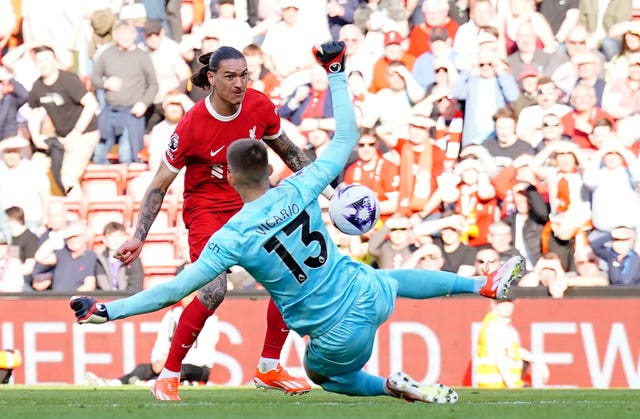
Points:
363	384
189	326
479	282
267	364
165	373
421	283
277	332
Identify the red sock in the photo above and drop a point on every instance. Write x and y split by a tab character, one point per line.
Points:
277	332
189	326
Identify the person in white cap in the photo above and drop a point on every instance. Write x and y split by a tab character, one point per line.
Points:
22	183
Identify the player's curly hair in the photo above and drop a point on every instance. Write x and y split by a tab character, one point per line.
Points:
211	62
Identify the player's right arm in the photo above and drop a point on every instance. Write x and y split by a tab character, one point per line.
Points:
149	209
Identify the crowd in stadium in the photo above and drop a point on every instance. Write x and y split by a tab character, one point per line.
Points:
489	128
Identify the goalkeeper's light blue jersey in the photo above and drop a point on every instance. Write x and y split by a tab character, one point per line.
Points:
281	240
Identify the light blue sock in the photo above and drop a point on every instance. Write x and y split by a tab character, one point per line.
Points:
422	283
362	384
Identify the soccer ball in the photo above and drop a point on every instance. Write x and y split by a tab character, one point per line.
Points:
354	209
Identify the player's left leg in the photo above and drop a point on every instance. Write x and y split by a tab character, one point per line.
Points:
421	283
269	373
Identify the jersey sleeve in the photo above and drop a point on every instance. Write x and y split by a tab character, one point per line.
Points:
272	116
175	156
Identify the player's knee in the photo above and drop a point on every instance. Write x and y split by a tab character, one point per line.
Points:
212	294
315	377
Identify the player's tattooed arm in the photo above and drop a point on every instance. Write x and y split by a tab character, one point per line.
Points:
149	209
290	154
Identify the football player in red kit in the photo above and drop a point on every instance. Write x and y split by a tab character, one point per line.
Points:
230	112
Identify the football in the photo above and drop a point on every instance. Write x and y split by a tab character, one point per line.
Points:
354	209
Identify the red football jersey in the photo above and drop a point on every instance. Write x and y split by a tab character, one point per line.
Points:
200	143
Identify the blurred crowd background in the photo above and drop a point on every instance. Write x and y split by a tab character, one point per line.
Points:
489	128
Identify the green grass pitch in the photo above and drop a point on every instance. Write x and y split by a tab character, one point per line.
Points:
70	402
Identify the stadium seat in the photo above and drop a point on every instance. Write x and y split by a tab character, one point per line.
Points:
99	213
154	275
75	207
103	182
160	249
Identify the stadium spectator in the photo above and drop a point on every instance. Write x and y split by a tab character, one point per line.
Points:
599	18
561	16
589	71
588	272
74	265
393	51
172	72
489	77
197	363
101	19
559	166
339	14
527	222
203	41
602	132
517	14
24	240
392	244
566	76
629	34
233	32
548	273
621	96
374	18
111	273
578	124
292	64
528	81
500	361
440	57
466	40
127	75
358	57
616	248
12	96
475	199
487	259
310	106
420	161
530	118
612	175
506	146
528	53
391	107
552	130
11	279
500	238
436	15
22	183
427	256
260	78
57	219
375	171
71	109
458	256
